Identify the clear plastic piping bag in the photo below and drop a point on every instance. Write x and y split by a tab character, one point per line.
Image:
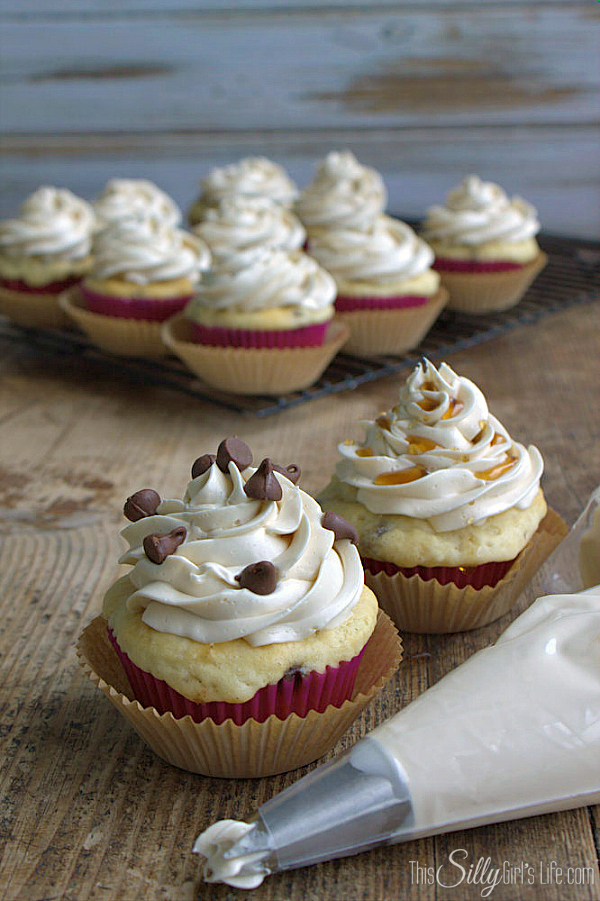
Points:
513	732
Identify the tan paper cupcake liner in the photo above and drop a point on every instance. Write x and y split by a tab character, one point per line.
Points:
252	749
490	292
416	605
33	310
376	332
243	370
123	337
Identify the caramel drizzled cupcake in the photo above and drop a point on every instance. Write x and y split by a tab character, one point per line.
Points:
449	510
244	614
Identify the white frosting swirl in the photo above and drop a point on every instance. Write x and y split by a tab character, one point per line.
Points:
194	592
273	278
459	463
343	194
387	249
144	251
239	226
126	197
253	176
52	223
479	211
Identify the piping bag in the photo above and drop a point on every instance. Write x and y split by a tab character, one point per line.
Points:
512	732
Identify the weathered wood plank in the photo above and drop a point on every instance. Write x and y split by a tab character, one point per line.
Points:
555	168
302	70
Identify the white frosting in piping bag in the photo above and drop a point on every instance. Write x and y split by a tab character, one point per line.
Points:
440	455
194	592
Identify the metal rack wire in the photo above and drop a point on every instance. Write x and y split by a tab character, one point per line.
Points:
571	277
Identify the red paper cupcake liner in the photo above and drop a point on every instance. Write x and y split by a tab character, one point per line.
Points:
216	336
152	309
476	576
446	264
15	284
344	304
298	694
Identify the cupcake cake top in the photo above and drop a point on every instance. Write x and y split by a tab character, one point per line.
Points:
52	223
144	251
343	194
131	197
245	554
240	226
253	176
272	279
386	250
479	211
440	455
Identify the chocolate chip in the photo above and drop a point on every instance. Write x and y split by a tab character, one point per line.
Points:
143	503
291	472
202	464
260	578
264	485
233	450
340	527
158	547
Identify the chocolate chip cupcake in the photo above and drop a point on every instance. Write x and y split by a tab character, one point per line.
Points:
244	615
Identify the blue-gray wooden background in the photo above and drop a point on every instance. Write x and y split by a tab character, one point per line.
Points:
425	91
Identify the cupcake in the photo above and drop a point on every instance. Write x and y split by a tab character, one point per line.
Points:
260	328
143	272
44	251
451	518
123	198
343	194
387	293
239	227
485	246
244	617
254	176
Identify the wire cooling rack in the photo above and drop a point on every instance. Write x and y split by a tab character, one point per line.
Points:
571	277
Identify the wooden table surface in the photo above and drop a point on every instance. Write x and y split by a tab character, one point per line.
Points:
87	810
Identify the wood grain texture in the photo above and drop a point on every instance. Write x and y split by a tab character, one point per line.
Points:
86	810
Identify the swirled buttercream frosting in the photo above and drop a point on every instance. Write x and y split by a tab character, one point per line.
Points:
52	223
248	557
126	197
386	250
343	194
240	226
253	176
440	455
144	251
477	212
273	279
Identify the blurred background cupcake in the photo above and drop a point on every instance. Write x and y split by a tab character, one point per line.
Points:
123	198
485	246
43	251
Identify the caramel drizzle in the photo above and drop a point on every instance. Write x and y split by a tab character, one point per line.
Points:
384	422
365	452
454	407
488	475
419	445
400	476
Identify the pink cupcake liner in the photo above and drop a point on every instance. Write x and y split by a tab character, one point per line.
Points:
152	309
446	264
461	576
216	336
344	304
298	694
15	284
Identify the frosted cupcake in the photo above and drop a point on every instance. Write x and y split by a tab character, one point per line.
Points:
44	251
343	194
244	603
451	518
265	327
239	227
123	198
485	246
143	272
387	292
253	176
